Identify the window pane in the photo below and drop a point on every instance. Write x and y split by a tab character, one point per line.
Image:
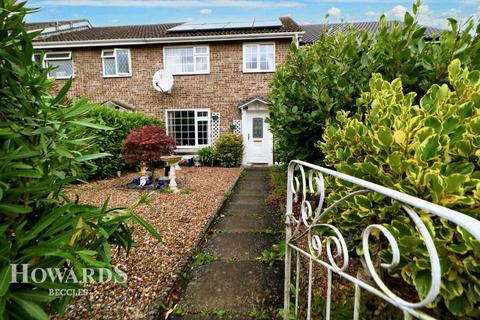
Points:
107	54
187	60
109	66
201	50
251	57
57	55
201	64
63	68
257	128
123	61
202	130
181	125
266	57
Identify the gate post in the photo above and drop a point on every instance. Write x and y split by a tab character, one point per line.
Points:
288	235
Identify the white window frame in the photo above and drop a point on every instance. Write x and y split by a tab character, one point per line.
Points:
70	58
117	74
194	60
258	70
209	129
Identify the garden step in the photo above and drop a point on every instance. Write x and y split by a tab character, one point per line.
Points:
248	199
252	223
247	180
249	192
252	189
257	169
238	246
232	287
245	209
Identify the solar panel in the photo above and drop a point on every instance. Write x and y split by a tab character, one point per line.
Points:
227	25
212	26
182	27
264	24
239	25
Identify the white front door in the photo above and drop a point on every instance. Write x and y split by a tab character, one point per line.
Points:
258	138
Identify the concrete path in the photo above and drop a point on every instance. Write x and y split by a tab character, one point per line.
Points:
237	283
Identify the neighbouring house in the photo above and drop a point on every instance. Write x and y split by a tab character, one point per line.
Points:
313	31
222	72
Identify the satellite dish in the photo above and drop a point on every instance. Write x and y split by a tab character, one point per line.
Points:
163	81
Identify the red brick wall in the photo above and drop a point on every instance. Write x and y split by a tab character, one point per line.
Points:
221	90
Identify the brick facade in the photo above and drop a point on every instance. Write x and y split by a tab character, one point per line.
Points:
221	90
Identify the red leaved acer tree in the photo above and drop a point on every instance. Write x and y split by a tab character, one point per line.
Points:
147	144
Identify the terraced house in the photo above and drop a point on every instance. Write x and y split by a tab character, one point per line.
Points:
222	74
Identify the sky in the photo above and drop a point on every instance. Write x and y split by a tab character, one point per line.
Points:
125	12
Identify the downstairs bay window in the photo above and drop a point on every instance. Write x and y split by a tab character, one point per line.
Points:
191	127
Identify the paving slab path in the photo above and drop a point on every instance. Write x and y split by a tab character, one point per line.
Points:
237	282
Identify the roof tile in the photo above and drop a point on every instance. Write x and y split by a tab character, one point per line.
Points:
153	31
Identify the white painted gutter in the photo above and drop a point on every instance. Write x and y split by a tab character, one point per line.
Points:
143	41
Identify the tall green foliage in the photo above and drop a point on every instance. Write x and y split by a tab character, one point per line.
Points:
318	80
431	151
111	141
44	145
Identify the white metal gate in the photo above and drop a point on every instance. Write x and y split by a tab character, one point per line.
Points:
308	179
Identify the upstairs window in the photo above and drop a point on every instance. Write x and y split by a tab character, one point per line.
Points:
191	128
187	60
61	62
116	63
259	57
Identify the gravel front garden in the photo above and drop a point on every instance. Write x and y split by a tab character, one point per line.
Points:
179	218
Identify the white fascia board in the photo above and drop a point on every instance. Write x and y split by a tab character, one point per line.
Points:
127	42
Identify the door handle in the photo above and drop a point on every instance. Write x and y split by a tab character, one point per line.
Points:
248	137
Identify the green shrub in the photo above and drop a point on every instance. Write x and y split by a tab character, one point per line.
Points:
229	150
44	143
278	187
111	141
431	151
318	80
207	155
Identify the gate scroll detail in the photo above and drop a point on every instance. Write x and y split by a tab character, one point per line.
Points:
307	179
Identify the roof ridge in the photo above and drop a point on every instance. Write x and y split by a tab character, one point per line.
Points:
347	22
140	25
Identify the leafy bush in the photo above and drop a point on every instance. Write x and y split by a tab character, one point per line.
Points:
147	144
44	146
317	81
111	141
207	155
229	150
278	187
430	150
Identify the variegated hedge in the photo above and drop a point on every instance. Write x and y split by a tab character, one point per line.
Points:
430	150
